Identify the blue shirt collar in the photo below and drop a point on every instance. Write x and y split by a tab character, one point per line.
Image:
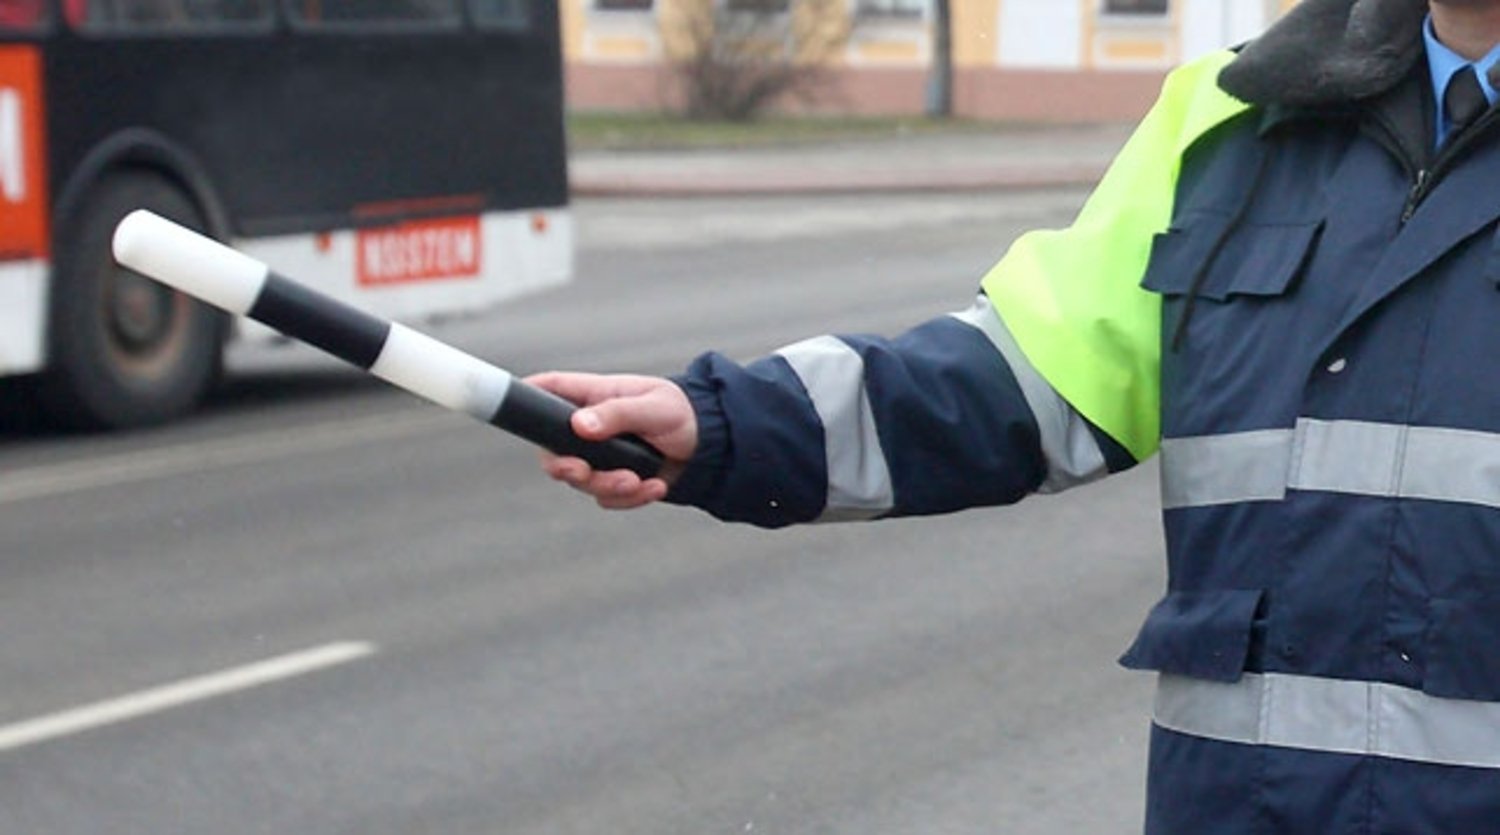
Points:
1443	62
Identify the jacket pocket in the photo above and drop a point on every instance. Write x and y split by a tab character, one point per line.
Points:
1462	645
1202	634
1256	259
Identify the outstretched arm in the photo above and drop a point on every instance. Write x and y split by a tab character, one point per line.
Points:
947	416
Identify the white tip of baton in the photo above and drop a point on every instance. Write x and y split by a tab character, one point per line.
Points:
181	258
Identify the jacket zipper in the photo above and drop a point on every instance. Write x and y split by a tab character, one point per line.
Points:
1414	196
1423	179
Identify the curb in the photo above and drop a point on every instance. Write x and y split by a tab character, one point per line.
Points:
585	184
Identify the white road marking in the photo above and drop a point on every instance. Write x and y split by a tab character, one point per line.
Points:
157	699
180	459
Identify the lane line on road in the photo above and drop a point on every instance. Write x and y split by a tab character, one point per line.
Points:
198	457
158	699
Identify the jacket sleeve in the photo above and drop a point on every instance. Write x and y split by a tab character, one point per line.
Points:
946	416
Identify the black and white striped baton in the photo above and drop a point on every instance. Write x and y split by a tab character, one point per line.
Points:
228	279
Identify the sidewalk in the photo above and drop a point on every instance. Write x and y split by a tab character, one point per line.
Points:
1020	157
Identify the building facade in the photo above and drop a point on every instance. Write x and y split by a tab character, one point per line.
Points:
1048	60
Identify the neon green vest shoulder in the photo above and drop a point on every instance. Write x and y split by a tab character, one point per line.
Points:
1072	297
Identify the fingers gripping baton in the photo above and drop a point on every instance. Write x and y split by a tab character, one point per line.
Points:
237	283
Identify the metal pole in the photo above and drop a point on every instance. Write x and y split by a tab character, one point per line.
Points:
940	75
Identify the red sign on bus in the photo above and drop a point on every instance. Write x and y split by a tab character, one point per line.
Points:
419	250
23	204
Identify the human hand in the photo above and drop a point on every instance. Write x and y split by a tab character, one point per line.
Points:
651	408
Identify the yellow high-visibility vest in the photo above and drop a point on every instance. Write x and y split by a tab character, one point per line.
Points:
1072	297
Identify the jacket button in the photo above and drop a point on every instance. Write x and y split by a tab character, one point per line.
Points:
1338	365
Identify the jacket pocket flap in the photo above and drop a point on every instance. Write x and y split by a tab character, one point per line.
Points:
1257	259
1202	634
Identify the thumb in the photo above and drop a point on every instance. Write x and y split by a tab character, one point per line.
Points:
588	424
649	414
618	416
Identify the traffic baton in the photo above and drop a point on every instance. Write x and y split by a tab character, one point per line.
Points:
228	279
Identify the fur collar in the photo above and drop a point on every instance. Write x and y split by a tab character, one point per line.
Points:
1328	52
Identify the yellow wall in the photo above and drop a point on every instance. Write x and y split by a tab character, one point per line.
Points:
974	26
573	22
590	35
635	37
632	37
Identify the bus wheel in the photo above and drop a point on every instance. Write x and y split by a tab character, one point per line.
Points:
124	350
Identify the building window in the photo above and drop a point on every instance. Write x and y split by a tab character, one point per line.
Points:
623	5
1135	7
892	8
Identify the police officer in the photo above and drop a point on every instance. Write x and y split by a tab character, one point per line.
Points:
1288	284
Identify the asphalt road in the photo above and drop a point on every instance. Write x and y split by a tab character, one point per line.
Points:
324	607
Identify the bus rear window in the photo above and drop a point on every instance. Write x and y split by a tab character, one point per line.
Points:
500	14
423	13
20	14
129	15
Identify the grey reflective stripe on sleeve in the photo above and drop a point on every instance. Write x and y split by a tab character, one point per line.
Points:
859	482
1225	469
1340	456
1333	715
1072	454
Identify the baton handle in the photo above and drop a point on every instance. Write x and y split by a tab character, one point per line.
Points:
545	419
228	279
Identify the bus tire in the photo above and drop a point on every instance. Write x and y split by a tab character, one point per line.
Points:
123	350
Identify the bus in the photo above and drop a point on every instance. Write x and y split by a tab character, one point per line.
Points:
406	156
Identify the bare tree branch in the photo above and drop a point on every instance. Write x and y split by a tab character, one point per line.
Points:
735	58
